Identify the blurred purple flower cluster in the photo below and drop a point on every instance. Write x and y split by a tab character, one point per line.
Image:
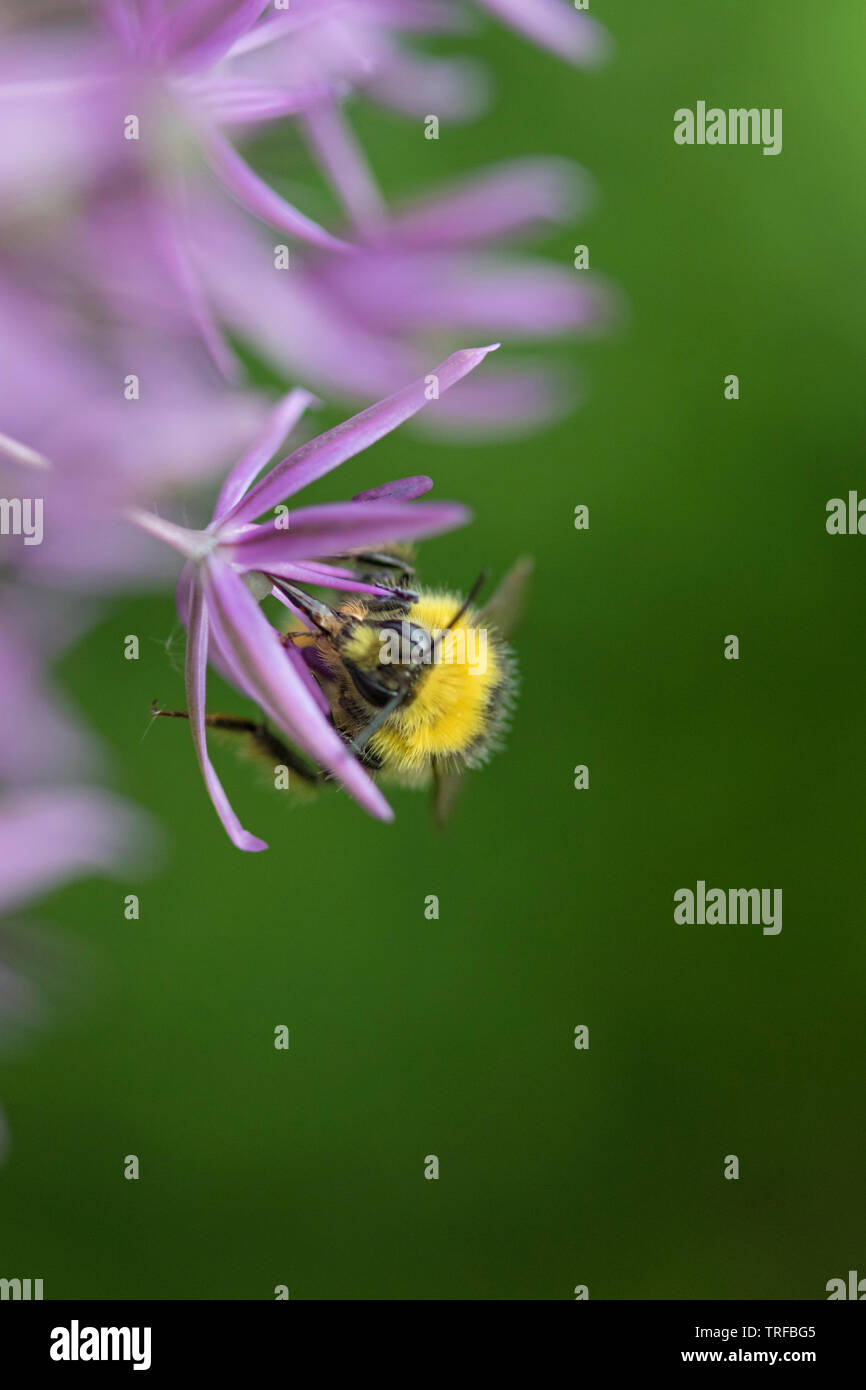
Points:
144	254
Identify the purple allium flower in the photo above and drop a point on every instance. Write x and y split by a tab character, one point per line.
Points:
103	443
157	78
359	45
224	621
441	269
555	25
53	834
40	737
148	91
185	73
446	266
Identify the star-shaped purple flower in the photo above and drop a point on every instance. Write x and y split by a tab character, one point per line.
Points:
224	622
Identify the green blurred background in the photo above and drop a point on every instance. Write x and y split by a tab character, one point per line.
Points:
408	1037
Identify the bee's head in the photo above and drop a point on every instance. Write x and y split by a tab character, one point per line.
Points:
384	656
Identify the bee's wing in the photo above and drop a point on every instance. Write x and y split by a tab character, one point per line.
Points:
505	607
503	612
446	789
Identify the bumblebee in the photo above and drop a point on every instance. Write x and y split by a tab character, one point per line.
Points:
419	684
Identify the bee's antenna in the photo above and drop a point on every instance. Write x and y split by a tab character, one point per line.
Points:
473	593
471	596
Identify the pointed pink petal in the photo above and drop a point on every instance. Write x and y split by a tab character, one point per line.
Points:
333	527
191	544
196	669
455	88
17	452
122	22
404	488
240	103
343	442
270	31
258	198
330	577
40	738
423	16
281	422
216	657
451	292
255	648
199	32
555	25
506	405
55	834
170	232
346	166
500	200
297	659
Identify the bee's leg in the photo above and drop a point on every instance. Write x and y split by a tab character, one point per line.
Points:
265	742
363	735
384	559
370	562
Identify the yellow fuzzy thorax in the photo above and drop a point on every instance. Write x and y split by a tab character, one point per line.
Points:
448	709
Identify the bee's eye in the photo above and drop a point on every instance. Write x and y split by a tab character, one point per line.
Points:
420	646
377	692
404	644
